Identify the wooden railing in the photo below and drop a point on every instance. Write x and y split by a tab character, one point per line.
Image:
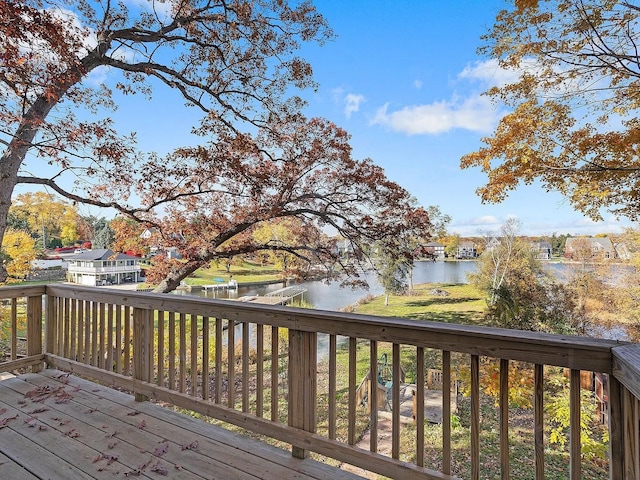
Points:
292	374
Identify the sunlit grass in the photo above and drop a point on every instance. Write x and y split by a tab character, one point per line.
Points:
463	303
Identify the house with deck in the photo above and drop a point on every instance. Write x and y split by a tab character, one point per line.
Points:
103	267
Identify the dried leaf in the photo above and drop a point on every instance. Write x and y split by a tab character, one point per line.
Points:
161	450
132	414
192	446
142	424
5	421
158	468
31	422
42	427
72	433
38	410
112	445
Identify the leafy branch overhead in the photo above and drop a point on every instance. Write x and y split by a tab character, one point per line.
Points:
257	165
232	196
235	62
573	124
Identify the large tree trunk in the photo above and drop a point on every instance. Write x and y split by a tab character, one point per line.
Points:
172	280
12	159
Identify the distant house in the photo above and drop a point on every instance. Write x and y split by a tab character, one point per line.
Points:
466	250
434	249
157	248
542	250
587	247
103	267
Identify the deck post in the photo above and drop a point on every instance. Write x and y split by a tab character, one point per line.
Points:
302	384
142	348
34	329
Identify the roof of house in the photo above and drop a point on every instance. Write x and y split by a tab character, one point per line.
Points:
599	242
102	254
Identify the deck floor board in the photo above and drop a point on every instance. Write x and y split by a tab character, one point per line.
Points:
84	430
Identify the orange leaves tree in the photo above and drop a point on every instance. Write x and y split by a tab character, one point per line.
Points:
234	61
574	101
218	198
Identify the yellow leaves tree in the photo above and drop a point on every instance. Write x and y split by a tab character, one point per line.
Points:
47	217
18	251
573	124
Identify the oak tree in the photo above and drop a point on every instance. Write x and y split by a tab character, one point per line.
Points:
227	193
234	61
573	123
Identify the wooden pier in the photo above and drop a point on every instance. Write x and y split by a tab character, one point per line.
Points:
281	296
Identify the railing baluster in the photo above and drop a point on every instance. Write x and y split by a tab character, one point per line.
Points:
395	402
275	361
110	347
94	334
245	366
205	358
161	359
14	328
538	420
373	395
102	336
231	358
80	354
259	370
172	350
60	325
504	419
194	355
218	393
66	326
118	334
182	350
352	390
127	340
87	331
574	421
332	385
73	331
446	412
419	406
475	417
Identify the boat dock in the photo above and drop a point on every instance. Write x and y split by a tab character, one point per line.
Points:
281	296
231	285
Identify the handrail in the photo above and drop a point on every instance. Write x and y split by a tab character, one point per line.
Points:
204	354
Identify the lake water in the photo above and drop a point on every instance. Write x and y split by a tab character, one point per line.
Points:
330	296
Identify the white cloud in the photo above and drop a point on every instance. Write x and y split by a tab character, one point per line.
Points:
475	113
489	73
352	103
417	84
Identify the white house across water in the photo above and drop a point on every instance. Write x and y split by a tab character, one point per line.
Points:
103	267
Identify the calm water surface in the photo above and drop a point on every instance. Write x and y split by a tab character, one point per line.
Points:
330	296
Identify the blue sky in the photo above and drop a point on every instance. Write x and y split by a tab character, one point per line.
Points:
403	77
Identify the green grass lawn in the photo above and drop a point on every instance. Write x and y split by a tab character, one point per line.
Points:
463	304
246	273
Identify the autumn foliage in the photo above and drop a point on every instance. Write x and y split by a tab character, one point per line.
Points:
574	102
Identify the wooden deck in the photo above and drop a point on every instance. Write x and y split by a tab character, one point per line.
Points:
58	426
